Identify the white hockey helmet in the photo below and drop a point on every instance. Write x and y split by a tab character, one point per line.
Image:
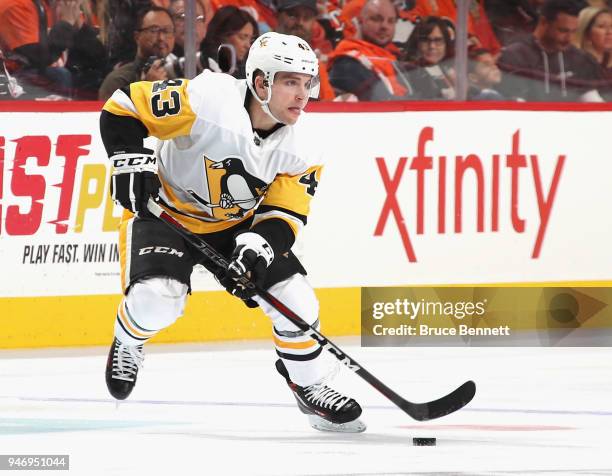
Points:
272	53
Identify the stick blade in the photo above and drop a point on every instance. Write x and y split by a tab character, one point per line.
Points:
450	403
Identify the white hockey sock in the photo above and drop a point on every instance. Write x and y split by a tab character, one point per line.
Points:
300	353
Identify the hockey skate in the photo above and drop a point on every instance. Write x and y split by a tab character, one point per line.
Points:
122	368
327	409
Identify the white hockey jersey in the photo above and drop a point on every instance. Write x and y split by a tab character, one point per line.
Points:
215	171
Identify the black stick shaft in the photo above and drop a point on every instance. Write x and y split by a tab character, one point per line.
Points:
419	411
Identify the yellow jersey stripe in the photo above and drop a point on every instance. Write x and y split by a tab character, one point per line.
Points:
288	192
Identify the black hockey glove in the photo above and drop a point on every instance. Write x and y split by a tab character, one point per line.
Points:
251	258
134	178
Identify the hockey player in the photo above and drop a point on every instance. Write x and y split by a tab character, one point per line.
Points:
232	166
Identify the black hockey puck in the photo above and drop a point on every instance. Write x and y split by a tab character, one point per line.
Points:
424	441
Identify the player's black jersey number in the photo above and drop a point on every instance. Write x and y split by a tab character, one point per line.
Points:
311	181
166	107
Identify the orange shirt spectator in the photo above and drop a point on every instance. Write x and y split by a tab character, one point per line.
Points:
21	22
367	67
375	58
352	9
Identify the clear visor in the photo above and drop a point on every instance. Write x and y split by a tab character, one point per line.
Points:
315	87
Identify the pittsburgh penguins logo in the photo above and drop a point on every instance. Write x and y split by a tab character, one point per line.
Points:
232	190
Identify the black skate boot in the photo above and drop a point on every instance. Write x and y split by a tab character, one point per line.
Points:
122	368
327	409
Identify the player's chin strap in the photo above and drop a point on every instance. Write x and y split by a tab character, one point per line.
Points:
264	103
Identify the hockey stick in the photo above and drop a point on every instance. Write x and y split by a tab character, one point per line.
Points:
419	411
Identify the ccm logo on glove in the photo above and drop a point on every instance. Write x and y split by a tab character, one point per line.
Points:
136	160
134	178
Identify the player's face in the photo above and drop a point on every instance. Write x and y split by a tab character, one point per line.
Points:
290	92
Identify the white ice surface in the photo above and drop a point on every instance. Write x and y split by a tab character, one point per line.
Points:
222	410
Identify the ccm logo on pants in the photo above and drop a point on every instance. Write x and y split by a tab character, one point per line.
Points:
160	249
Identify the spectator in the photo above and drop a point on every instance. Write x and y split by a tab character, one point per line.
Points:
117	26
229	26
367	67
154	37
600	3
262	11
546	66
479	26
483	77
512	20
118	23
349	14
431	50
175	62
86	55
46	45
594	34
298	17
177	9
24	39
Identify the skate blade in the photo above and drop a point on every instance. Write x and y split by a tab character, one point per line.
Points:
318	423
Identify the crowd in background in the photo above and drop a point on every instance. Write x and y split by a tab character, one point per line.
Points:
369	50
